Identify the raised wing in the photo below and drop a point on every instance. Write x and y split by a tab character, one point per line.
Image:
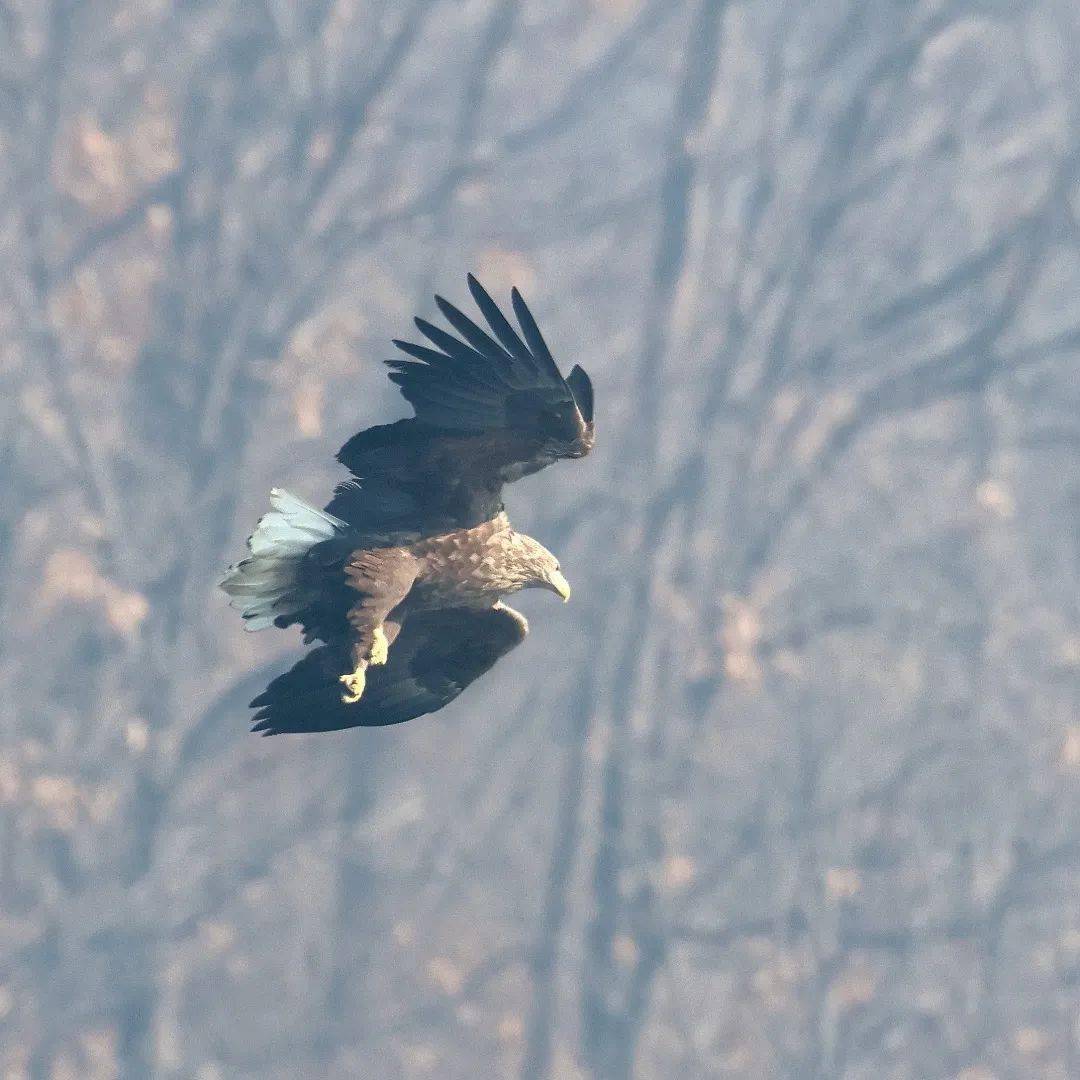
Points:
436	655
490	408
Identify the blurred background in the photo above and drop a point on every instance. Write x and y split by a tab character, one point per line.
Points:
792	787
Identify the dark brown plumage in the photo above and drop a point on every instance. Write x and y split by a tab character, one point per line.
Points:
401	576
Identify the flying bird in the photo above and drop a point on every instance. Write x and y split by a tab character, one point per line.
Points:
401	577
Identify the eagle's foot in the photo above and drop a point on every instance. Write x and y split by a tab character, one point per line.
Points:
354	685
380	647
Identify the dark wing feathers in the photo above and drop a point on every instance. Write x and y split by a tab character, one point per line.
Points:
442	362
537	345
468	359
421	352
436	655
581	387
500	325
483	344
490	408
447	399
399	484
497	368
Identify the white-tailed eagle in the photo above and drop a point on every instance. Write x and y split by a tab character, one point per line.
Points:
401	576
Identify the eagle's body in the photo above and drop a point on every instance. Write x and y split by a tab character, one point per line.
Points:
471	567
402	576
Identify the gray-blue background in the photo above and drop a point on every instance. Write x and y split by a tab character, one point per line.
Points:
792	787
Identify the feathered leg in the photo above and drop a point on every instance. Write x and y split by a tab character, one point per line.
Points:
383	578
382	637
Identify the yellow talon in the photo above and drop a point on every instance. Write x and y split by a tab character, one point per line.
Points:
380	647
354	686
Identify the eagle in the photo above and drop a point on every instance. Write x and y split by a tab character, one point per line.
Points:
401	577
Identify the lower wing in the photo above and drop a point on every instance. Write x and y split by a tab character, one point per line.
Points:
436	655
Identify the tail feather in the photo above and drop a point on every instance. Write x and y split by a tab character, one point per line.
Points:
266	584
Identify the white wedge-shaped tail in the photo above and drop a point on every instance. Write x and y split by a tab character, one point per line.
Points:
266	584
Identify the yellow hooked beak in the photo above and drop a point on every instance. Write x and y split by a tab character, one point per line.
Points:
560	585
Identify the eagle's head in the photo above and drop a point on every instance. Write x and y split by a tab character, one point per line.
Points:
536	568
